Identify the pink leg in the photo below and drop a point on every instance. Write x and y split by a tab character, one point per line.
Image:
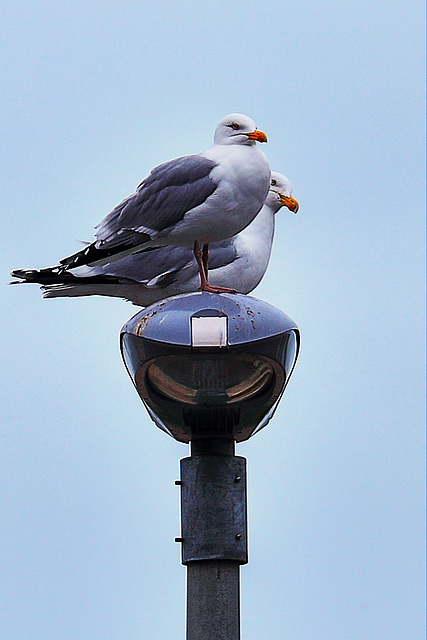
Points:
199	259
202	258
205	259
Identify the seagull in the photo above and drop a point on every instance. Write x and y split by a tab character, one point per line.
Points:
144	278
189	201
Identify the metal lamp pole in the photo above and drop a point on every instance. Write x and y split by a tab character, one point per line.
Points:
214	537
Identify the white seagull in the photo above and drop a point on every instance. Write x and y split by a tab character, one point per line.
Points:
238	263
189	201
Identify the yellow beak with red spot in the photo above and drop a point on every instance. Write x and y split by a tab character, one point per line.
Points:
289	202
259	136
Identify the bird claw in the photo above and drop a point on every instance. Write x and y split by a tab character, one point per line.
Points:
211	289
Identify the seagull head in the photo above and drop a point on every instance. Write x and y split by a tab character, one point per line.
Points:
280	193
238	129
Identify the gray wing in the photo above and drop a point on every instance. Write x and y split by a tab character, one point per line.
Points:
160	201
158	265
162	266
159	268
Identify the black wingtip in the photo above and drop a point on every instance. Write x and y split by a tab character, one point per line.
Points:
24	275
93	255
38	276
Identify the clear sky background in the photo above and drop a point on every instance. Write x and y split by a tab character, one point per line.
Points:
94	95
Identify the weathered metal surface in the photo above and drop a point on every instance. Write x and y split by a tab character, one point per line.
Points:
169	320
213	509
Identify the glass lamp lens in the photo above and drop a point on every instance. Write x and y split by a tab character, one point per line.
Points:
204	379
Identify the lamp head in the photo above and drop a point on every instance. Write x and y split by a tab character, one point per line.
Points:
207	365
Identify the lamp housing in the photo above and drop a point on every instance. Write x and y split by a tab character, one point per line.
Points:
210	365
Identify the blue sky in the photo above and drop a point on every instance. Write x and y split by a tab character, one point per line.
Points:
95	95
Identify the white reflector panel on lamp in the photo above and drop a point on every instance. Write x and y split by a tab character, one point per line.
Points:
209	331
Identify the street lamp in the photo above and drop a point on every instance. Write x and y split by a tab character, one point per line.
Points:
211	369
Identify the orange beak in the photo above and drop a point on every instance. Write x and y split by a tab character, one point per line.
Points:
289	202
259	136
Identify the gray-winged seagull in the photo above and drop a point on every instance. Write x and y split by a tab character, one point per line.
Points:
190	201
238	263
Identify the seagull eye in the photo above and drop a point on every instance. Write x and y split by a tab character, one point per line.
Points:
235	126
273	183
